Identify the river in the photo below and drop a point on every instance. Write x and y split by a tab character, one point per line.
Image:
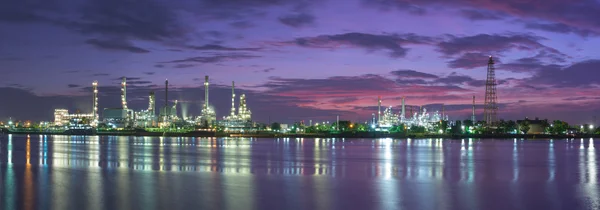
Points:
109	172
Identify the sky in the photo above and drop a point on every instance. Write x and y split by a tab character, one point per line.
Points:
303	59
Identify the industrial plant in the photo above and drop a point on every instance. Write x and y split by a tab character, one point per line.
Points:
124	118
168	118
421	118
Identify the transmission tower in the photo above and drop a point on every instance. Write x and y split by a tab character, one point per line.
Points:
491	106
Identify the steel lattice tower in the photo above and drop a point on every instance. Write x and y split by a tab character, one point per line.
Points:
491	100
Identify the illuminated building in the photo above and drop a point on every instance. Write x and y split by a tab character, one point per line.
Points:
116	117
95	118
208	113
147	118
388	119
61	117
240	122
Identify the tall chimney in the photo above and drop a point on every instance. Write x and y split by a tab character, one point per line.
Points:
403	113
206	92
166	98
124	93
151	103
443	112
473	116
232	114
95	103
378	109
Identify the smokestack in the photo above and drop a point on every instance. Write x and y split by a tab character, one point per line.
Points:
206	92
166	98
378	109
124	92
151	103
443	112
95	102
403	113
232	99
473	116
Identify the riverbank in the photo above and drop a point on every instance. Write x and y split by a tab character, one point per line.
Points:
302	135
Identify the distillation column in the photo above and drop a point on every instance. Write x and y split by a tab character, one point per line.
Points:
403	113
124	93
232	114
206	92
166	113
473	115
378	109
95	103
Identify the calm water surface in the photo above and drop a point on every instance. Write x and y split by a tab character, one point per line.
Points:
61	172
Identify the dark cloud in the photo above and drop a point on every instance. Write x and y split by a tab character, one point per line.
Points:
525	86
297	20
529	64
100	74
159	66
265	70
387	5
412	77
73	86
494	43
340	85
583	15
344	100
214	47
115	44
581	98
583	74
25	11
151	20
149	73
183	65
138	82
470	60
394	43
457	79
242	24
413	74
20	86
479	15
217	58
560	28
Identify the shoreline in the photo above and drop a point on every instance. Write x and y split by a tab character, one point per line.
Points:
365	135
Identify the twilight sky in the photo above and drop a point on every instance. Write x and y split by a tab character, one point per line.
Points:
303	59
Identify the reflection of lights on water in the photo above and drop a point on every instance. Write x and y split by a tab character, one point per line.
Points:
552	164
515	161
28	151
589	174
9	149
387	160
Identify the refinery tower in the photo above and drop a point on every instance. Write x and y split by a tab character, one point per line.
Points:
208	113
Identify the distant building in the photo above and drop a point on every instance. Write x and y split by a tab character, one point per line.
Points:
117	117
63	118
536	126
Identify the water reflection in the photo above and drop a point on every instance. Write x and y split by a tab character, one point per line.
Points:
62	172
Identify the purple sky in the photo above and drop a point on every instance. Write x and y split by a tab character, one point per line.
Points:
301	60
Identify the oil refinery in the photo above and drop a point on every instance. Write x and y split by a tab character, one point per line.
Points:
168	118
387	119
